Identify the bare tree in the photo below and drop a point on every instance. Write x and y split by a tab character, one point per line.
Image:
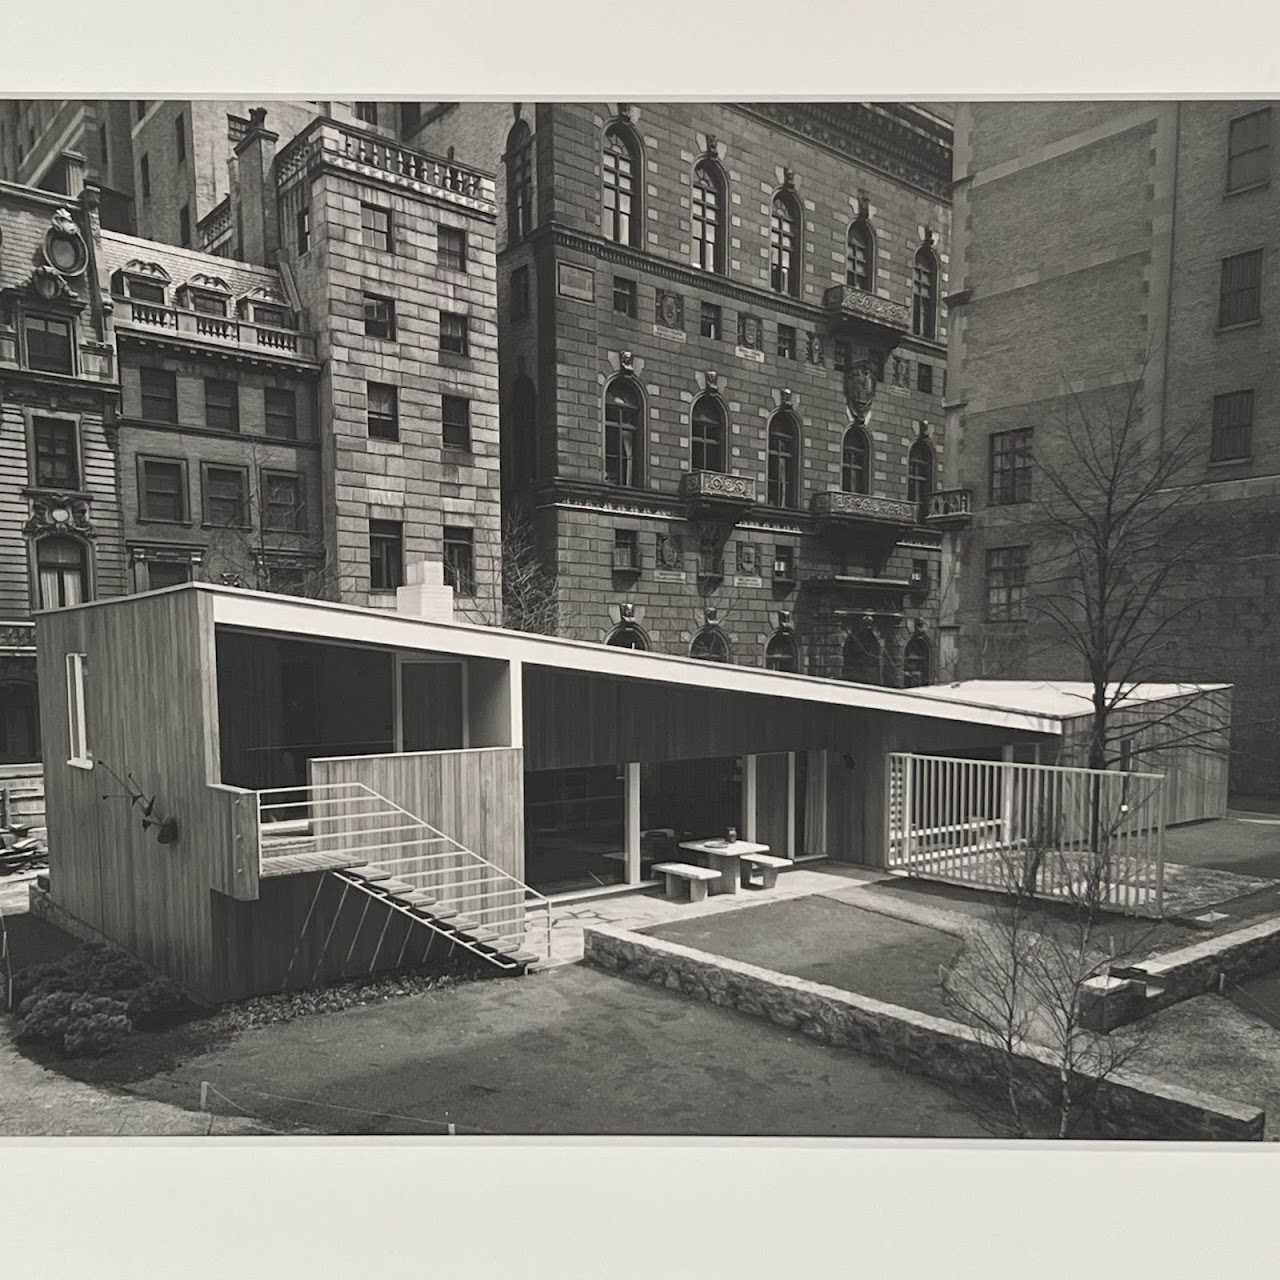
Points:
525	594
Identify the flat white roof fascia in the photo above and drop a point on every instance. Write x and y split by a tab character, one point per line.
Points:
261	611
1061	699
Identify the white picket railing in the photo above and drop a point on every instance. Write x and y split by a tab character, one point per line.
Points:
1071	834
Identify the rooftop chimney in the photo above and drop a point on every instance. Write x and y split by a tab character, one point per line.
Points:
425	596
259	219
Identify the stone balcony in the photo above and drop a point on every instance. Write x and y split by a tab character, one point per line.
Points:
846	306
262	340
950	508
839	507
716	493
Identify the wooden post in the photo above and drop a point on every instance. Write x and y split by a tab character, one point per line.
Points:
1006	796
748	797
631	792
791	804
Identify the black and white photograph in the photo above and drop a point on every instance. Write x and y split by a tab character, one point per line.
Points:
741	617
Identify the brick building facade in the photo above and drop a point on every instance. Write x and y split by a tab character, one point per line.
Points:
721	352
1159	278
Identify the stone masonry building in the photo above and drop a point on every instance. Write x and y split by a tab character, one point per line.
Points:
1103	248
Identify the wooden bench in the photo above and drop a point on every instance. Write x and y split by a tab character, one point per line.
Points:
683	877
764	865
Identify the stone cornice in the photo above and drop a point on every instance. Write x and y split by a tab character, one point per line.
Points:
878	136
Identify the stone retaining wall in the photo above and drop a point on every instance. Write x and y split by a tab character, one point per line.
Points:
1129	1105
1194	970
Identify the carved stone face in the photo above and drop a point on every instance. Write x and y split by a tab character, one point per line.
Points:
860	387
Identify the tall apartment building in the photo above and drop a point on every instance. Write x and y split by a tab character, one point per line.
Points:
309	416
722	366
1159	275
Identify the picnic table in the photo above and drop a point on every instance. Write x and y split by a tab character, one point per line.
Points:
723	856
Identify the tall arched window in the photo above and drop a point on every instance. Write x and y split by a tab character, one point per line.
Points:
524	422
920	472
621	163
861	256
784	460
626	635
707	437
781	653
861	657
855	464
924	294
63	569
519	182
710	645
707	208
915	662
623	438
784	242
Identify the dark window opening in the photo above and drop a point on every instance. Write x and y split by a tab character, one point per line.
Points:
855	467
453	333
379	316
708	435
1232	426
226	497
384	411
455	423
281	409
623	417
159	395
49	344
386	555
783	462
1010	473
459	561
57	454
221	405
163	491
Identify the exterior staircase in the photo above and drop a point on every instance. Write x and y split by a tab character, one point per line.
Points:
378	849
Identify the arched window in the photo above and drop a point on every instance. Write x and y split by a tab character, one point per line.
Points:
784	240
710	645
524	422
63	569
707	439
623	441
861	659
924	294
861	256
626	635
519	182
621	213
855	464
915	662
708	202
19	722
781	653
920	472
784	458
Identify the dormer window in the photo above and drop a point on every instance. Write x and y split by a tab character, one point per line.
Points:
261	307
269	315
208	304
209	295
142	282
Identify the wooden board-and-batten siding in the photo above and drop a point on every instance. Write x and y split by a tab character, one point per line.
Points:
150	710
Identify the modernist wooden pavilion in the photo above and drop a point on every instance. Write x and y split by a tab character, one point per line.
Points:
225	709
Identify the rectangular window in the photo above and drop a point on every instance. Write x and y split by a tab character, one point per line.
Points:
1249	147
144	170
452	249
841	355
924	378
302	229
57	453
1240	296
624	296
184	226
280	407
386	555
784	564
276	317
453	333
712	321
367	112
180	137
375	227
208	304
1232	426
159	395
384	411
162	490
49	345
786	342
520	293
455	423
226	497
1010	467
379	317
78	733
167	573
283	502
221	405
626	549
1007	584
459	561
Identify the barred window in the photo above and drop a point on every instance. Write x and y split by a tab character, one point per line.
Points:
1009	474
1007	584
1232	426
1240	297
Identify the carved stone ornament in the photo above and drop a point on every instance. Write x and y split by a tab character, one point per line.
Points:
670	551
786	397
816	354
670	309
789	179
59	513
625	359
48	285
748	559
713	380
64	248
713	147
750	332
860	387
